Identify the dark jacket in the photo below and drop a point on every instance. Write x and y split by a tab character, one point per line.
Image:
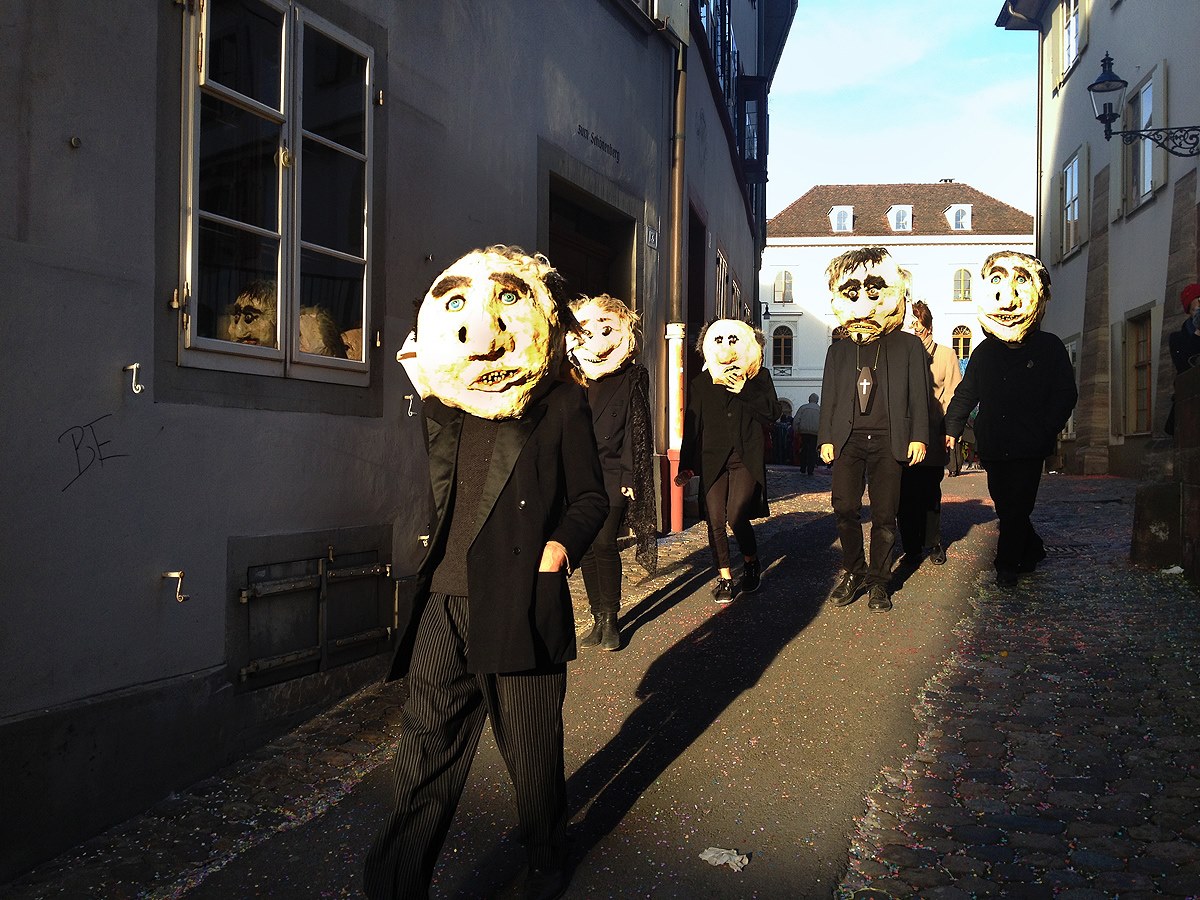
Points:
543	484
620	405
1025	393
719	421
1184	345
908	390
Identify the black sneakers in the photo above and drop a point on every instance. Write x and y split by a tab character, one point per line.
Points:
722	591
750	577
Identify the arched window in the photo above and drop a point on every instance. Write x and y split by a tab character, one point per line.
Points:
843	220
783	287
781	346
962	285
962	341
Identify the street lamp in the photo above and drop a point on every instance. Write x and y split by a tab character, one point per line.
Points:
1181	141
766	310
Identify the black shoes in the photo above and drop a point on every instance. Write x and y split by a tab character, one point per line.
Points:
605	633
722	591
879	601
750	577
544	884
1006	578
847	590
937	555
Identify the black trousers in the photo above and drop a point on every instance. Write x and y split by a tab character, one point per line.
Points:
731	499
601	564
440	727
1013	484
920	514
808	453
867	456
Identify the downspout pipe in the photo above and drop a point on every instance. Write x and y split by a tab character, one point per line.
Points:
676	331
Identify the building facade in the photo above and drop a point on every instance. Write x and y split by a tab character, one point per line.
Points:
941	233
228	211
1116	222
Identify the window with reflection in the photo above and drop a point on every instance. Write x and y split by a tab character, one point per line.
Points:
961	341
276	194
962	285
781	346
783	287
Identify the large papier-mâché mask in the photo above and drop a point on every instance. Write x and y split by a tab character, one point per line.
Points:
488	333
732	353
606	339
1014	294
870	293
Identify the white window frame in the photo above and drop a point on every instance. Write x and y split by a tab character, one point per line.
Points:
900	218
1072	22
784	286
1140	115
840	215
286	359
958	216
1131	191
961	291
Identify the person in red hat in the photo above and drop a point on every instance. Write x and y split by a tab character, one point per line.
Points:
1185	343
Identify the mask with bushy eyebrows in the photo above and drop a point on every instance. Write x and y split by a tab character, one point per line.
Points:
607	337
732	353
870	293
488	333
1013	298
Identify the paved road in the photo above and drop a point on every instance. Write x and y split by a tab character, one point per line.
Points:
969	742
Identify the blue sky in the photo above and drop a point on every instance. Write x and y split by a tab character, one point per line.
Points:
890	91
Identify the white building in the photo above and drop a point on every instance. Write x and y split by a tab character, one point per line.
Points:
940	232
1116	222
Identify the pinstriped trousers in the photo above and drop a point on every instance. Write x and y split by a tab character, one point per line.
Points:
440	727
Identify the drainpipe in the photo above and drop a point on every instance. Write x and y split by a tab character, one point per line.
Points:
676	326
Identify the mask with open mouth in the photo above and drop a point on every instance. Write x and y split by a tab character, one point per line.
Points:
488	333
732	352
607	336
1012	299
870	293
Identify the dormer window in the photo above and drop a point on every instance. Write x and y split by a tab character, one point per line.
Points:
900	218
958	216
841	218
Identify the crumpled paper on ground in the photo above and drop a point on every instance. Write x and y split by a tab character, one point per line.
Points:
719	856
1173	570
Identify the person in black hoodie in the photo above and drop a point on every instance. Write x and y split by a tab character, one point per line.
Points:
1024	383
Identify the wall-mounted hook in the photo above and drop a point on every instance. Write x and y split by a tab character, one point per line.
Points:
180	596
133	367
331	552
409	398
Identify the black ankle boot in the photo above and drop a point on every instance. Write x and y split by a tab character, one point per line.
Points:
608	633
592	638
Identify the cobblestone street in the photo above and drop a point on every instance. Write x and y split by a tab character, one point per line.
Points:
1040	741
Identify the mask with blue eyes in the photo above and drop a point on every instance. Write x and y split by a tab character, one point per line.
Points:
488	334
1012	298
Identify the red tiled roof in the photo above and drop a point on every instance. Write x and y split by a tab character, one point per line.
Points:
809	215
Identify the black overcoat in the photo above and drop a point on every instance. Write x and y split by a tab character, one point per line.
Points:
719	421
908	384
543	484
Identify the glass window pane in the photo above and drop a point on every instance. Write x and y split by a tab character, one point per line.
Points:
238	175
245	49
332	198
331	306
334	91
235	293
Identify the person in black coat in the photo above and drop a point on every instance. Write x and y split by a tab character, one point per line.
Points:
1024	383
729	404
485	627
619	396
874	414
1184	344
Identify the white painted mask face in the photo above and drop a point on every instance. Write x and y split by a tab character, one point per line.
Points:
732	354
1013	297
606	340
869	299
487	334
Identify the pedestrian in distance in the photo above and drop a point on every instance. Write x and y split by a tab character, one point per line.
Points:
875	414
920	512
618	392
807	423
730	404
485	628
1023	381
